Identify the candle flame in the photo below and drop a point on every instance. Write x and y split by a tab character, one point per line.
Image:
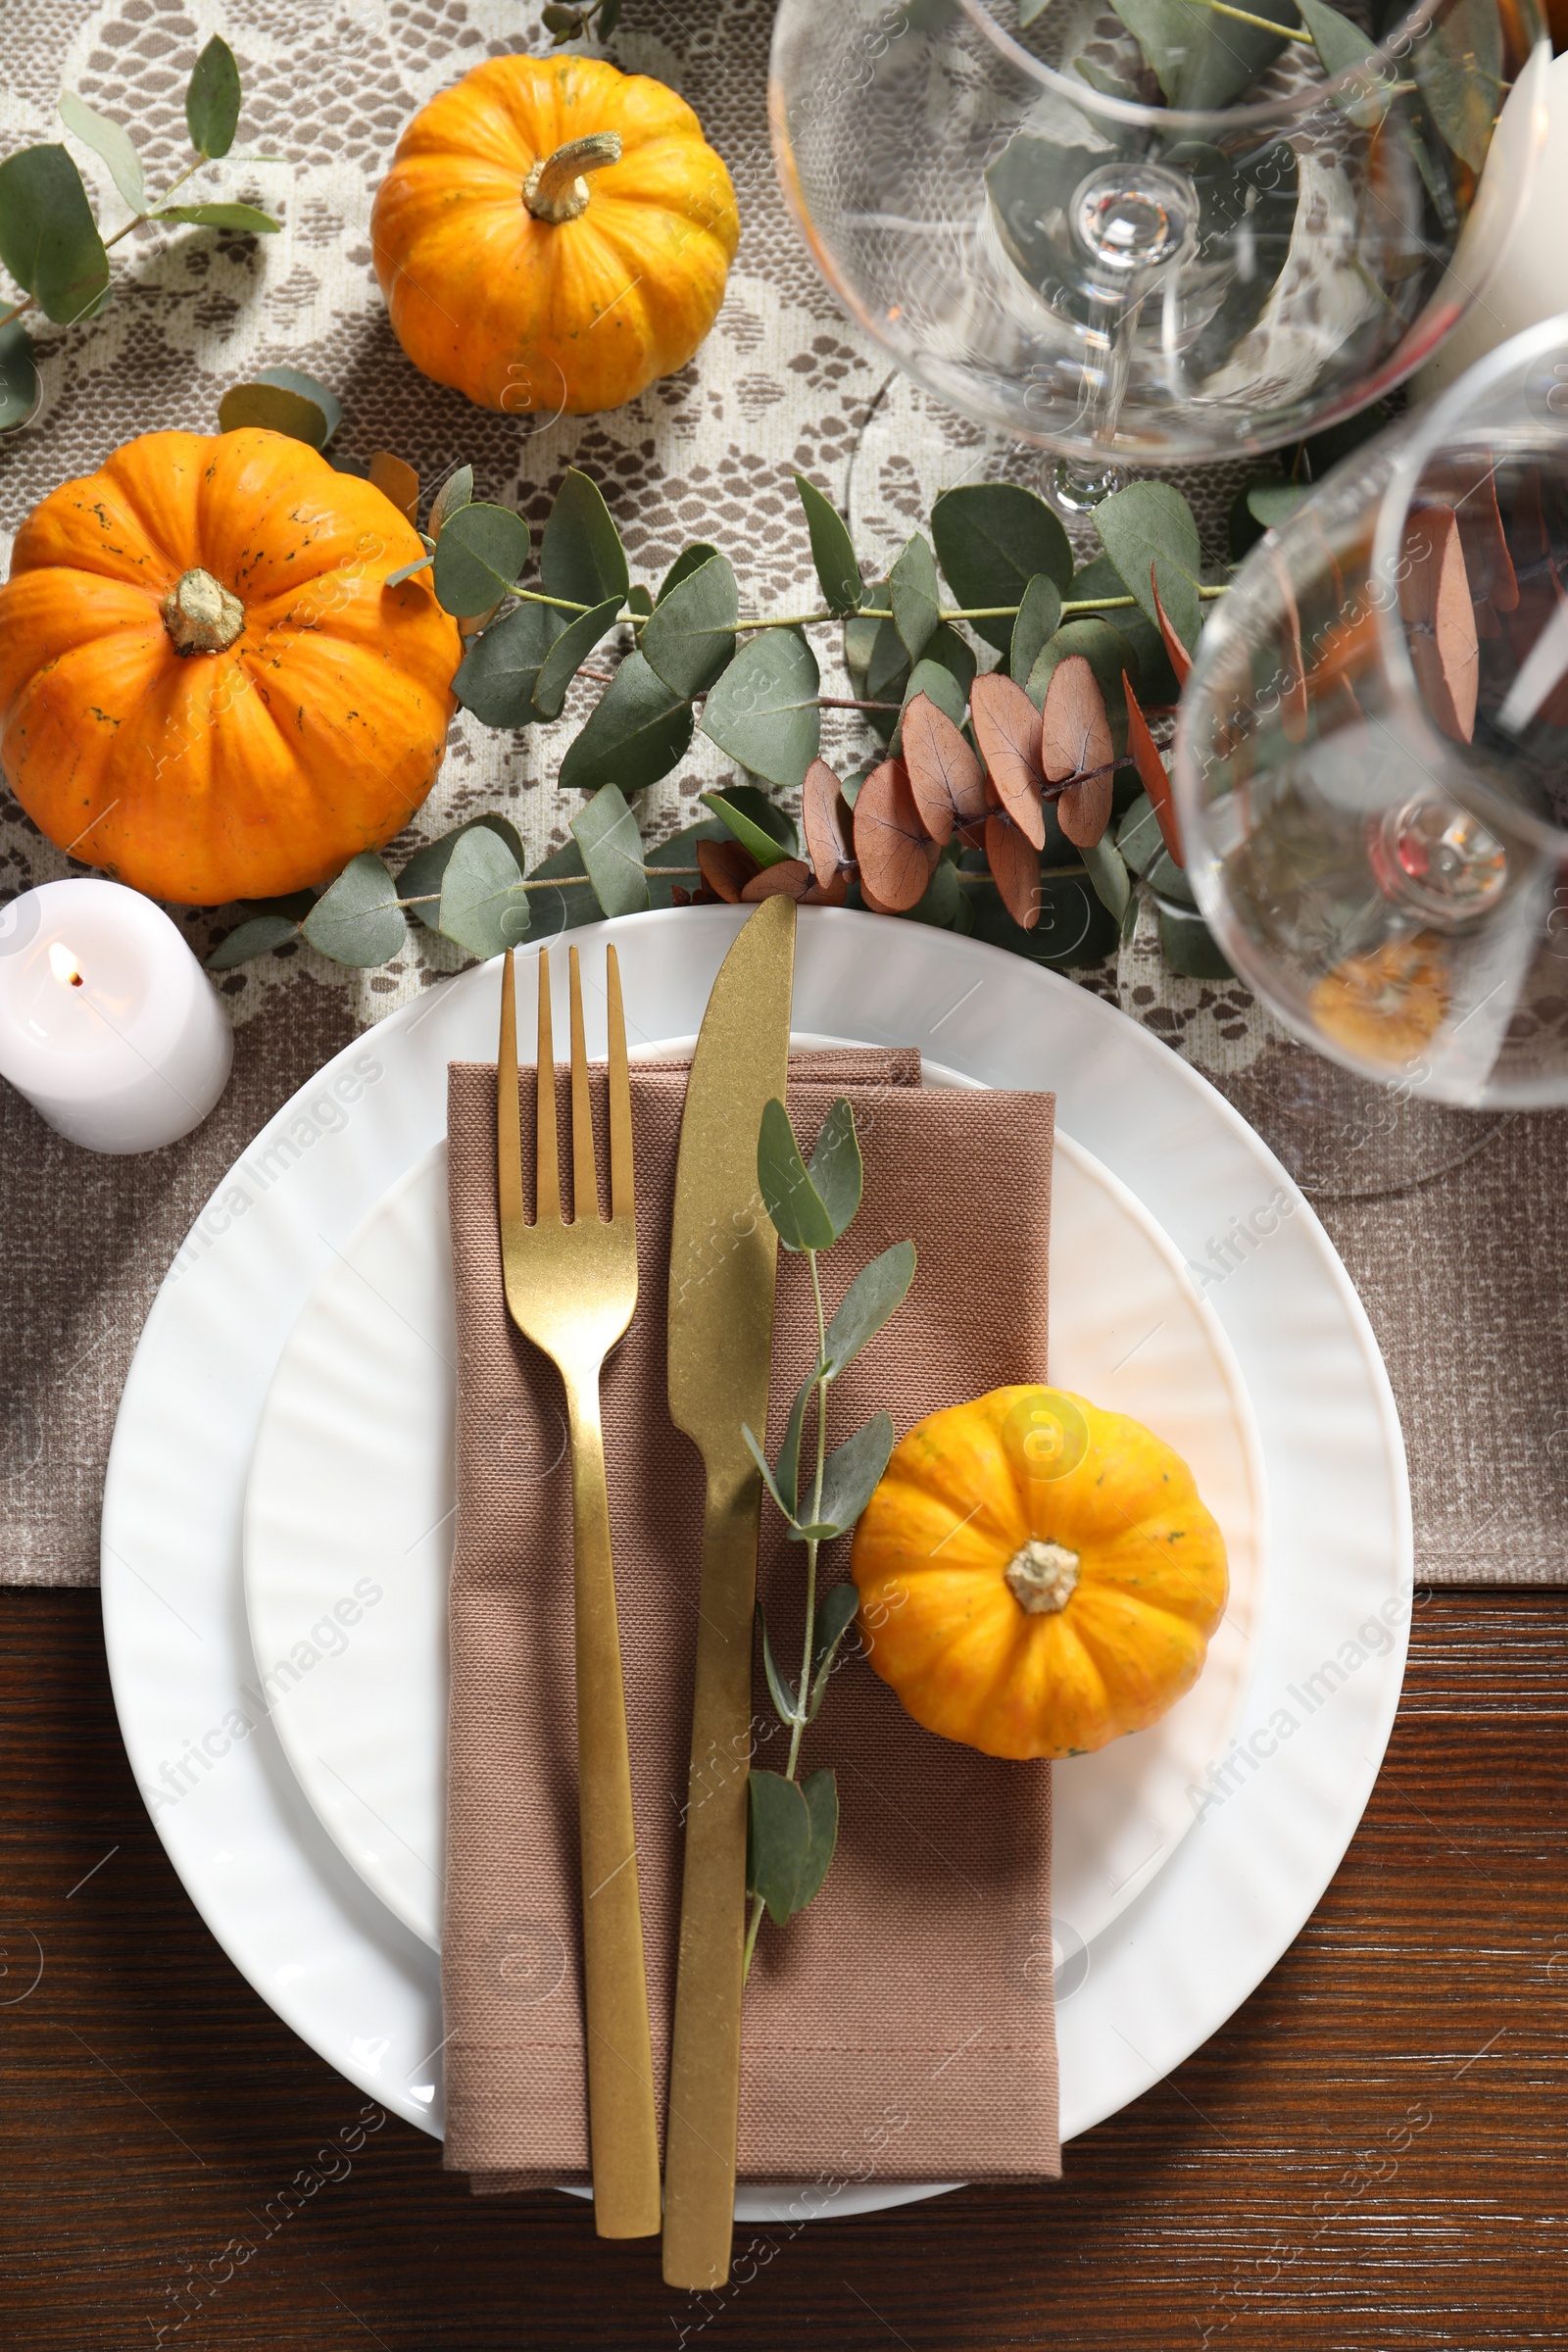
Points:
64	965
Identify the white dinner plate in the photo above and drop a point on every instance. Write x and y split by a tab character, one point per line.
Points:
1270	1825
351	1495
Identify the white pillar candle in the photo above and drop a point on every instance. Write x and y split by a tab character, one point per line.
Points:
107	1023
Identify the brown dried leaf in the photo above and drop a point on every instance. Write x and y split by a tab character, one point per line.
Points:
1181	660
1151	772
1493	583
1440	619
396	482
948	781
829	893
1084	810
1075	733
726	869
790	878
1015	863
896	853
1007	728
825	821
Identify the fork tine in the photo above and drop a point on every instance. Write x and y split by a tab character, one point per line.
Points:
584	1175
621	1194
547	1157
509	1135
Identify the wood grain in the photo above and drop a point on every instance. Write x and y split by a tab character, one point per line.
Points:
1370	2155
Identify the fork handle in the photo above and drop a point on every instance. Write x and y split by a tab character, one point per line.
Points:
622	2135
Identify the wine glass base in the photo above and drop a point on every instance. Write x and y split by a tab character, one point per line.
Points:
1076	490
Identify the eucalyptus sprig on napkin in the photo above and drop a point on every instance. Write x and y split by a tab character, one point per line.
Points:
794	1824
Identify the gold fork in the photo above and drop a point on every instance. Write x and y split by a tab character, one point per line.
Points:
571	1288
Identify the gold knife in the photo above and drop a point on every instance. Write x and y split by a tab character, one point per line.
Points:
724	1256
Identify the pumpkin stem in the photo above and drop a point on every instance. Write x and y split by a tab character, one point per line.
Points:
1043	1577
555	189
201	615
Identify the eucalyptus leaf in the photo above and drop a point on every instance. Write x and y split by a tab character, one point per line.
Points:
422	877
1109	876
1169	883
500	670
569	653
483	905
309	387
764	712
991	540
835	1612
798	1213
1108	654
941	687
580	555
943	904
1340	44
676	856
456	491
744	828
1149	531
786	1476
849	1478
691	559
109	141
837	572
258	937
690	638
49	240
479	558
780	1689
769	1479
212	99
860	635
275	409
1139	837
836	1170
1204	60
1269	502
406	572
358	921
913	589
877	1293
820	1791
609	18
607	834
1039	619
640	602
776	821
20	388
247	218
634	734
1190	948
778	1845
1458	65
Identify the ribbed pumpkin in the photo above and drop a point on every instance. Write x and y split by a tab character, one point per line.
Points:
1036	1576
553	235
205	687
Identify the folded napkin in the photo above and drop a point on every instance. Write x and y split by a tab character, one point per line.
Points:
902	2027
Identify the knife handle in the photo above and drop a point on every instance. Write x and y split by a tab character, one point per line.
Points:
705	2067
622	2129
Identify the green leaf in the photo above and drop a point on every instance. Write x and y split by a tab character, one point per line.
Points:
1190	948
20	388
607	18
1039	619
1139	837
112	142
836	1171
876	1293
406	572
295	379
769	1479
580	555
776	823
607	834
786	1474
800	1215
691	559
764	712
258	937
1339	43
358	921
569	653
497	676
780	1689
942	905
849	1478
1458	65
912	587
832	550
49	240
1108	875
991	539
479	558
690	639
764	848
835	1612
937	683
1097	577
244	216
1202	58
778	1845
641	602
426	872
456	492
634	734
1147	529
820	1791
861	632
1167	881
1108	654
274	407
211	100
483	905
1269	502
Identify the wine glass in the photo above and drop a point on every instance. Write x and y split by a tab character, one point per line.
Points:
1371	760
1161	231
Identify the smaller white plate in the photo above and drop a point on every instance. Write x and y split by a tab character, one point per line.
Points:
349	1523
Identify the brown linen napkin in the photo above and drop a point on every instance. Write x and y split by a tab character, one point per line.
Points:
901	2027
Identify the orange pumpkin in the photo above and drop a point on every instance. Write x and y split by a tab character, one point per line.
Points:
1036	1576
205	687
528	285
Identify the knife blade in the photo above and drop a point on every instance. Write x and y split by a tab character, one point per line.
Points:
722	1261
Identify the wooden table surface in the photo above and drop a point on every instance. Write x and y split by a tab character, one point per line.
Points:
1371	2153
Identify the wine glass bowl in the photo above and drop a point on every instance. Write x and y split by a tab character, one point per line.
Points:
1207	236
1371	760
